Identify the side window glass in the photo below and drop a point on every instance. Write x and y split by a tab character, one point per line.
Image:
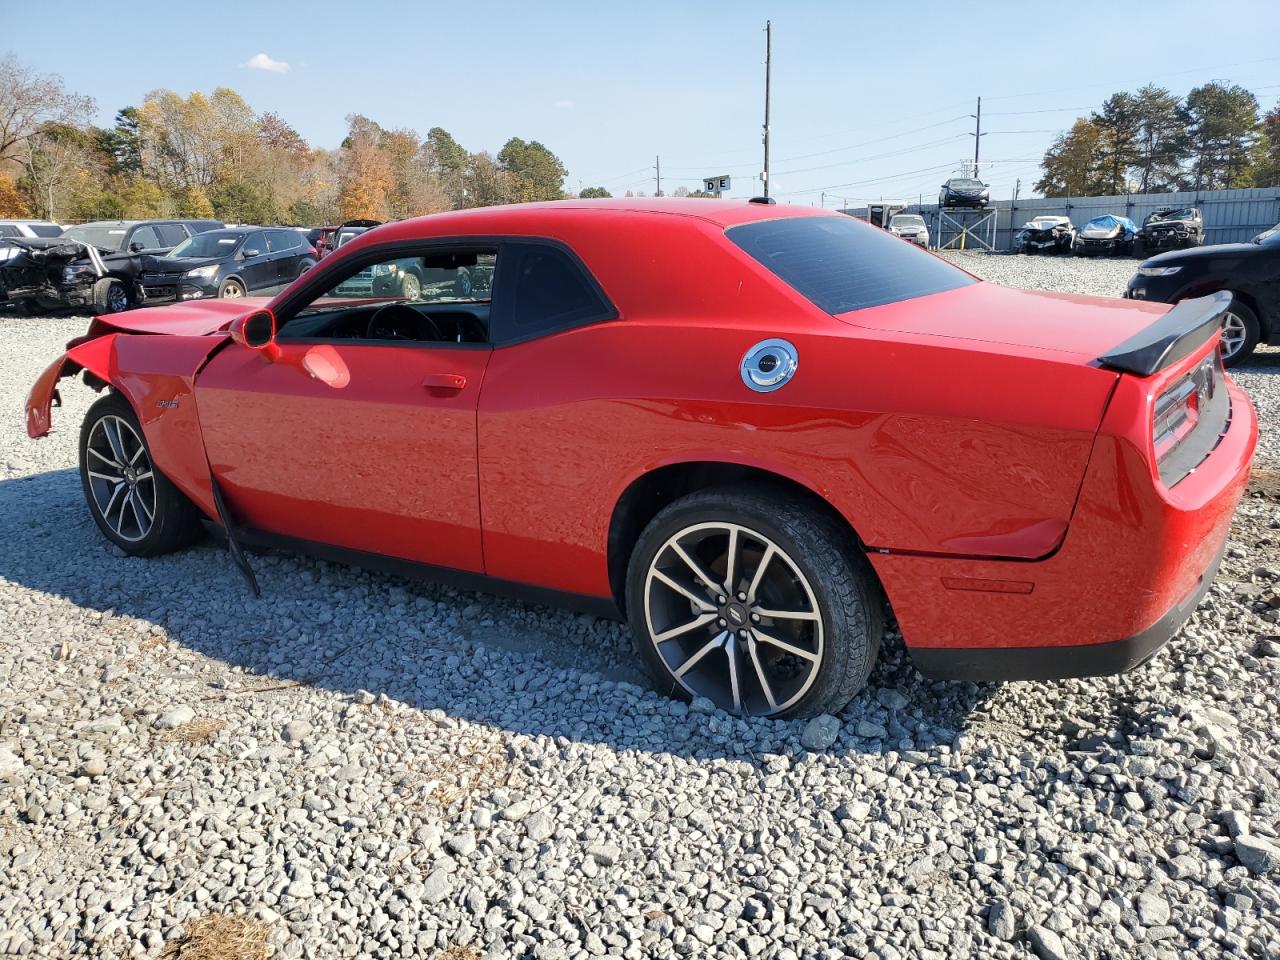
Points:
544	289
171	234
255	245
146	238
9	230
439	295
278	241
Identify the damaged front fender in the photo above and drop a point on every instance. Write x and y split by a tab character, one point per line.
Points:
96	356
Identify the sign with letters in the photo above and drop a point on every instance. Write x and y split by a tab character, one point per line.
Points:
716	184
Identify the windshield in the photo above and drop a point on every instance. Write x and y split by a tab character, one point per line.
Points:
966	184
1184	214
348	234
215	243
841	264
910	220
104	236
1269	238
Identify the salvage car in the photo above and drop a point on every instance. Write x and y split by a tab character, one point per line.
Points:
964	192
1106	234
229	263
745	460
22	229
1173	228
1249	272
95	267
329	239
910	226
1047	233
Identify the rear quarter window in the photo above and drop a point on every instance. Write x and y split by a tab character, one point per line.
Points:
840	265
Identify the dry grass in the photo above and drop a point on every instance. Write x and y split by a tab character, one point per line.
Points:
475	769
216	936
1266	481
198	730
456	952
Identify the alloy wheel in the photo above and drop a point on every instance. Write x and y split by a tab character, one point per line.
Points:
232	291
733	618
117	298
121	478
1234	334
411	287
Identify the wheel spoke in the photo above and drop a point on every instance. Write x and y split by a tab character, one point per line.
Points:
787	614
700	621
106	460
136	454
144	475
137	502
712	644
693	565
769	551
106	511
731	649
103	476
113	439
784	645
731	563
701	602
764	681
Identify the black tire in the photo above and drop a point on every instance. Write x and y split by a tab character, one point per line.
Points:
1252	332
462	283
411	286
842	587
110	295
232	289
175	521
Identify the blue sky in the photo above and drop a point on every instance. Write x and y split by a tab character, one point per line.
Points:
870	100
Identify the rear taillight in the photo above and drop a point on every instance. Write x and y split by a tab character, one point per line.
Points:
1177	411
1188	419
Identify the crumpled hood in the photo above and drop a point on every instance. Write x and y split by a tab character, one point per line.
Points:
1083	327
196	318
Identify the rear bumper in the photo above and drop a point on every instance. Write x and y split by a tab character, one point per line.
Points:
1057	663
1136	559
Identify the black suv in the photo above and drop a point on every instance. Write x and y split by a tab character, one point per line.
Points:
1247	270
92	266
1174	228
232	262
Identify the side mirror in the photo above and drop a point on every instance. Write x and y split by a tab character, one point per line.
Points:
135	247
257	331
250	252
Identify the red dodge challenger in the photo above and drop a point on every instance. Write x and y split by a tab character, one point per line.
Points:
750	430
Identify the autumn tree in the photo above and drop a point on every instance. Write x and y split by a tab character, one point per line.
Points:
57	159
1070	163
31	102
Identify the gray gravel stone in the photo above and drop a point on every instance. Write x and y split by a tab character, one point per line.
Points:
1000	920
1046	944
820	732
295	731
175	717
1260	856
10	762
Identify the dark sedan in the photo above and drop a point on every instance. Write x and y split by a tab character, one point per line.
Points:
1250	271
234	262
964	192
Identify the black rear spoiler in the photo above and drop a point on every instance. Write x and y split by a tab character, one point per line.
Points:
1175	335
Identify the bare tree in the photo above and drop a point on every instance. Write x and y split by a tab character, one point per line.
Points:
30	101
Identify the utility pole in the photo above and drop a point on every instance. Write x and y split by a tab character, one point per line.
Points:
768	65
824	201
657	166
977	136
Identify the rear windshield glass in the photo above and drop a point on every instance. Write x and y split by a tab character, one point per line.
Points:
104	236
841	265
46	229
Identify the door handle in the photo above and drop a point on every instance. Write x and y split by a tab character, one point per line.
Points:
444	381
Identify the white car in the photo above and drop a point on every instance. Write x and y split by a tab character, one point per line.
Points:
910	226
1045	233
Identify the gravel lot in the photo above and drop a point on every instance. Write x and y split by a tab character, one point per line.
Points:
358	766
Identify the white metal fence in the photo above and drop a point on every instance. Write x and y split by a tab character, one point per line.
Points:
1229	215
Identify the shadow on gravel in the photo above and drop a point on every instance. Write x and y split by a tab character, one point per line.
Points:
526	669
